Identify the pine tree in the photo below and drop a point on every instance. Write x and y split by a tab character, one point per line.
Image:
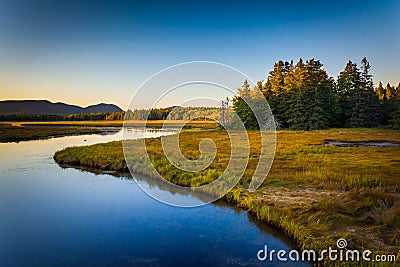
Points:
296	101
305	97
323	111
311	102
348	83
381	92
392	105
366	109
274	90
242	109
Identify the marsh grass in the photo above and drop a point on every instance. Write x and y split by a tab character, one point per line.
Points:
315	193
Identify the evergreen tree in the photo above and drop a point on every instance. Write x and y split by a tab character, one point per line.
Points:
365	111
348	83
275	91
305	97
392	105
297	98
381	92
242	109
311	104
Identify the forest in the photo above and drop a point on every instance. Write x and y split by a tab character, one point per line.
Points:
175	113
304	97
170	113
98	116
301	96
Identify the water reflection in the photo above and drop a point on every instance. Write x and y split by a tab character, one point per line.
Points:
65	217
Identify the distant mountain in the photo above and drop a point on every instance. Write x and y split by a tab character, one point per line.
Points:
47	107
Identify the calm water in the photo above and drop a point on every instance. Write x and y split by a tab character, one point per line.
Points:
51	216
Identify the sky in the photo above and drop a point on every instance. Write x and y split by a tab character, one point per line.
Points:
87	52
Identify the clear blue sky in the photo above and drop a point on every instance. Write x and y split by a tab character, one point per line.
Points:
85	52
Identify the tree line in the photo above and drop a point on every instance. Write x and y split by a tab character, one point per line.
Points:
170	113
175	113
303	97
63	117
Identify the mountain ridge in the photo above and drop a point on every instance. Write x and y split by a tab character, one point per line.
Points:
47	107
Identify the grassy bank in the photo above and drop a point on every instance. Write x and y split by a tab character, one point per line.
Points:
13	133
315	192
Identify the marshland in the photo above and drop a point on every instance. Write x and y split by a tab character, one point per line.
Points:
315	193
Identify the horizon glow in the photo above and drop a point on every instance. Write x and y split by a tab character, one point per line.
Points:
84	52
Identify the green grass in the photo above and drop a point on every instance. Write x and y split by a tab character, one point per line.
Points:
315	193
